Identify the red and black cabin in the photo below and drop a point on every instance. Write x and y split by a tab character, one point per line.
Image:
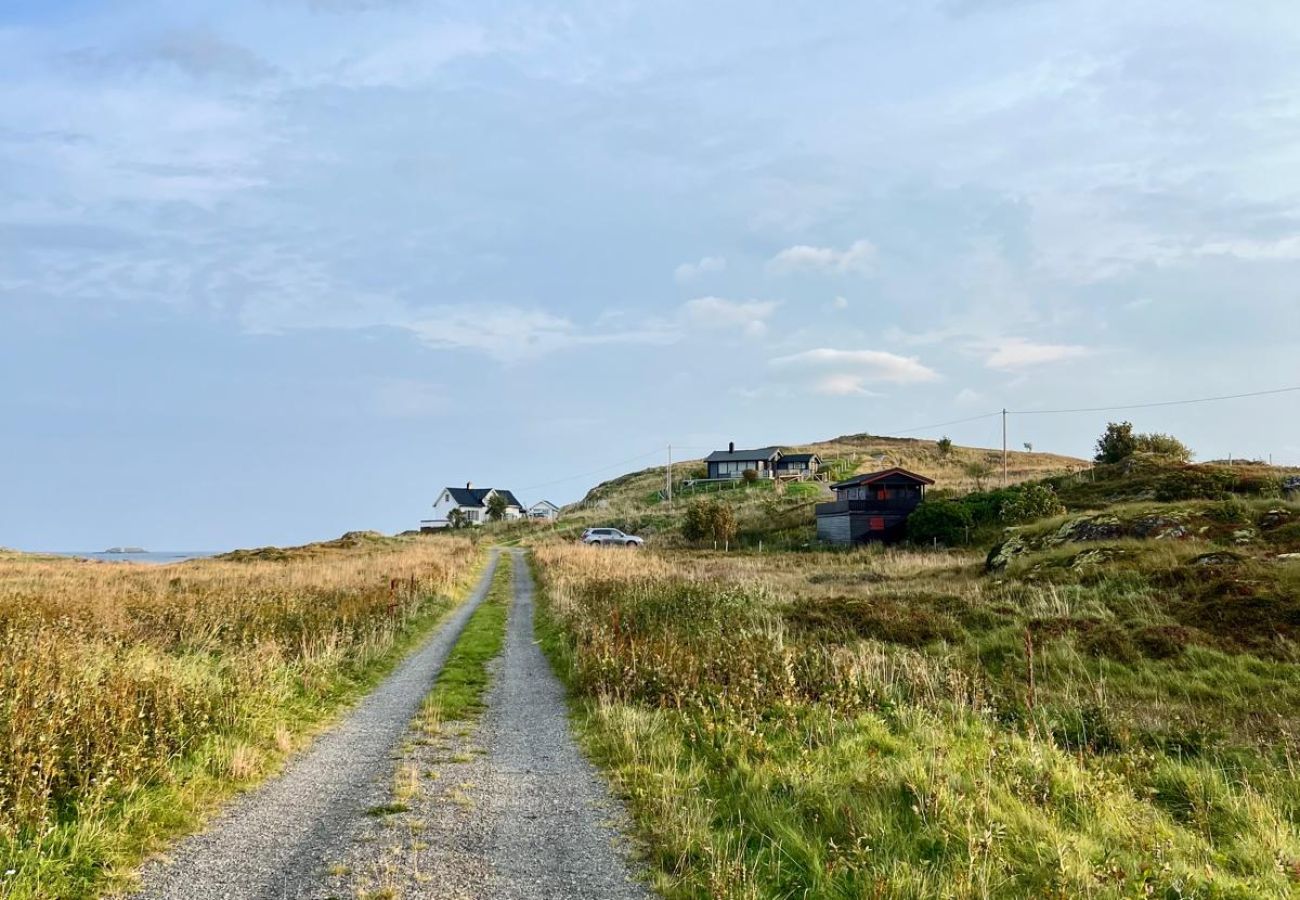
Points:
871	507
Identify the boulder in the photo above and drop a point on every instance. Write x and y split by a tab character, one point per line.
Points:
1216	559
1089	528
1159	528
1006	551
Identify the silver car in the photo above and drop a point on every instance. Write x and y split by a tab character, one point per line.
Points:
610	537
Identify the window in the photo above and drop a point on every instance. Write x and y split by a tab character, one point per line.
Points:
877	523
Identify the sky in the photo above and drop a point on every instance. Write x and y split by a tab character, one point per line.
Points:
272	270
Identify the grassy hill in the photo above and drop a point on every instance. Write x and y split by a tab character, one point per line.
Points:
785	512
1107	705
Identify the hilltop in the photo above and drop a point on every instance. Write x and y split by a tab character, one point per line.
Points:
635	500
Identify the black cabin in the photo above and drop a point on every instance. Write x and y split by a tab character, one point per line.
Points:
871	507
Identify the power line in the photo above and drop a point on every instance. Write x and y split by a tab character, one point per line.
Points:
1041	412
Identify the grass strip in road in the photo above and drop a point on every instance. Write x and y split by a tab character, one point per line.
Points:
458	693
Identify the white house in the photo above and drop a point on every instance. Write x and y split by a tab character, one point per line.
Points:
472	504
544	510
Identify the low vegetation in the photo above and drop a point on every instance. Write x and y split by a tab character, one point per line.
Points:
458	693
1106	705
133	698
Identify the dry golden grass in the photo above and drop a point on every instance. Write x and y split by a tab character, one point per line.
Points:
119	681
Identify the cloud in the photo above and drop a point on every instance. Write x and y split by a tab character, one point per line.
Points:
747	316
1017	353
870	365
198	52
690	271
416	58
840	303
968	397
843	385
859	257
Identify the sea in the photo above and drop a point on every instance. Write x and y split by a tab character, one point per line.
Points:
157	557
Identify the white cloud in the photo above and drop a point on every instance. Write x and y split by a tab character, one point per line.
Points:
687	272
968	397
843	385
871	365
512	334
1284	249
859	257
840	303
1017	353
748	316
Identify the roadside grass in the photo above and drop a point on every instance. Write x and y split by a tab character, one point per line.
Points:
457	695
866	724
134	700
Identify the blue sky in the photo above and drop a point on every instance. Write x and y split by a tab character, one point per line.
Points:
274	270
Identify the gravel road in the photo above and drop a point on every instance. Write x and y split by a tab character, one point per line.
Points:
274	842
502	810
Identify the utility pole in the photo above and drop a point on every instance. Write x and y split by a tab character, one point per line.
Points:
668	474
1004	447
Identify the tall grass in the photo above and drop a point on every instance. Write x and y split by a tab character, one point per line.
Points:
131	697
861	725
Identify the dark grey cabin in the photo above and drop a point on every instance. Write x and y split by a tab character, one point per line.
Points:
798	464
732	463
871	507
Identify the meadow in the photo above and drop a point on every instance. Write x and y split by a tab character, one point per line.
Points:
134	698
1111	711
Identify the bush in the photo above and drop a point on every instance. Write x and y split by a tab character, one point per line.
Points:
1165	446
1116	443
750	476
707	519
944	446
945	521
1030	502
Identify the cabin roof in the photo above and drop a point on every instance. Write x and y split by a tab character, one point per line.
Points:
871	477
800	457
742	455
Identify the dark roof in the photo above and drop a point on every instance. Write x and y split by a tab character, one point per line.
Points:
511	499
868	478
478	496
800	457
742	455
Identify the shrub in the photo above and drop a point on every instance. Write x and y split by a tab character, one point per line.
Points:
977	470
1116	443
749	475
707	519
945	521
1030	502
944	445
1163	445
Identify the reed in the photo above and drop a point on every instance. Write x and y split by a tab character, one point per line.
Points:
132	697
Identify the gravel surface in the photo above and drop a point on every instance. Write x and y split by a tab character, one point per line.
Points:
508	808
275	841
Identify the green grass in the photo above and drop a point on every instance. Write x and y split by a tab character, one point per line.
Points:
458	693
857	726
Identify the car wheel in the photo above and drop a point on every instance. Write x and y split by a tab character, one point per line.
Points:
632	545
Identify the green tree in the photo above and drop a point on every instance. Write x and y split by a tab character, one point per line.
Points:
457	519
496	507
945	446
941	520
696	523
1116	443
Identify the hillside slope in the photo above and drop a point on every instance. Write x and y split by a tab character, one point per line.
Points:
634	501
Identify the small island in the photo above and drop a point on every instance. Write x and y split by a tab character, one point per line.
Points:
121	550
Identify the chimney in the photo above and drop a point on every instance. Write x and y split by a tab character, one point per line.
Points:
468	485
731	448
